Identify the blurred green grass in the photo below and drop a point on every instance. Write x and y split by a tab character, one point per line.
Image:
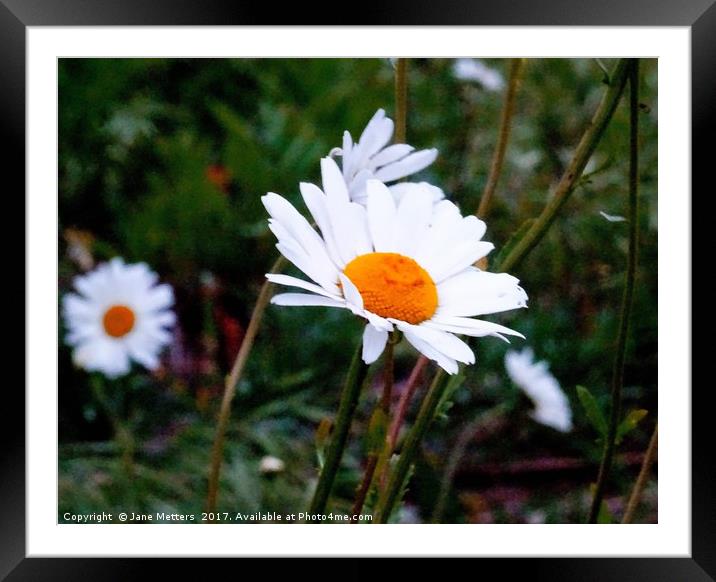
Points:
164	161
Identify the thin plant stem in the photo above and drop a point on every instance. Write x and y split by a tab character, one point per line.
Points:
398	475
573	173
619	355
404	403
232	381
641	480
491	421
384	411
503	136
401	100
344	417
364	486
122	433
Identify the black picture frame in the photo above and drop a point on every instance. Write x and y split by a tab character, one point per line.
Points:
17	15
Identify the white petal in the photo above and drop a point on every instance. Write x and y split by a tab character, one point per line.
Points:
474	292
315	201
306	300
373	343
377	321
301	284
458	259
408	165
158	298
299	228
471	327
357	186
334	185
350	225
75	308
390	154
376	134
444	342
398	190
351	293
141	351
412	220
446	363
346	152
381	216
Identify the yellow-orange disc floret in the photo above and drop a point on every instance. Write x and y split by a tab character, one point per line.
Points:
392	285
118	320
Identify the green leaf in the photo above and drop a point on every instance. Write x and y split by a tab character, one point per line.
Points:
592	410
629	423
512	242
445	403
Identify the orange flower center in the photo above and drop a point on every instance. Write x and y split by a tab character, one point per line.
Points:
118	320
392	285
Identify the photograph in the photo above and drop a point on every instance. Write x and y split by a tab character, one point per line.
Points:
357	290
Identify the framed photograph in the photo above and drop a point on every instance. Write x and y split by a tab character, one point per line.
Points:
417	287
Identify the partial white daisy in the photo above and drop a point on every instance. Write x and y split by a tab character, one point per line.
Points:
612	217
476	70
371	158
269	465
118	314
551	405
406	266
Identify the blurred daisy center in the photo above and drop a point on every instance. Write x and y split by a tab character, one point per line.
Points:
118	320
392	285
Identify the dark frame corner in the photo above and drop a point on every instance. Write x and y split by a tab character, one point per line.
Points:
700	15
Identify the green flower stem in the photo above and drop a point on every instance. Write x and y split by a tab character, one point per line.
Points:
573	173
412	442
619	355
377	441
405	399
344	417
401	100
121	429
640	483
232	381
487	423
498	157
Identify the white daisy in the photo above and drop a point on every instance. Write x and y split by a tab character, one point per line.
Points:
406	266
373	159
551	405
118	313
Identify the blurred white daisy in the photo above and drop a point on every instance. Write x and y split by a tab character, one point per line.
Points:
269	465
407	266
551	404
118	313
476	70
612	217
371	158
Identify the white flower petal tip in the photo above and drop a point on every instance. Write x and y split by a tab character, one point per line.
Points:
534	379
612	217
117	315
374	341
305	300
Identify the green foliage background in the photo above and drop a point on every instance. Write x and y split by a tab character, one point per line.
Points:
165	160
